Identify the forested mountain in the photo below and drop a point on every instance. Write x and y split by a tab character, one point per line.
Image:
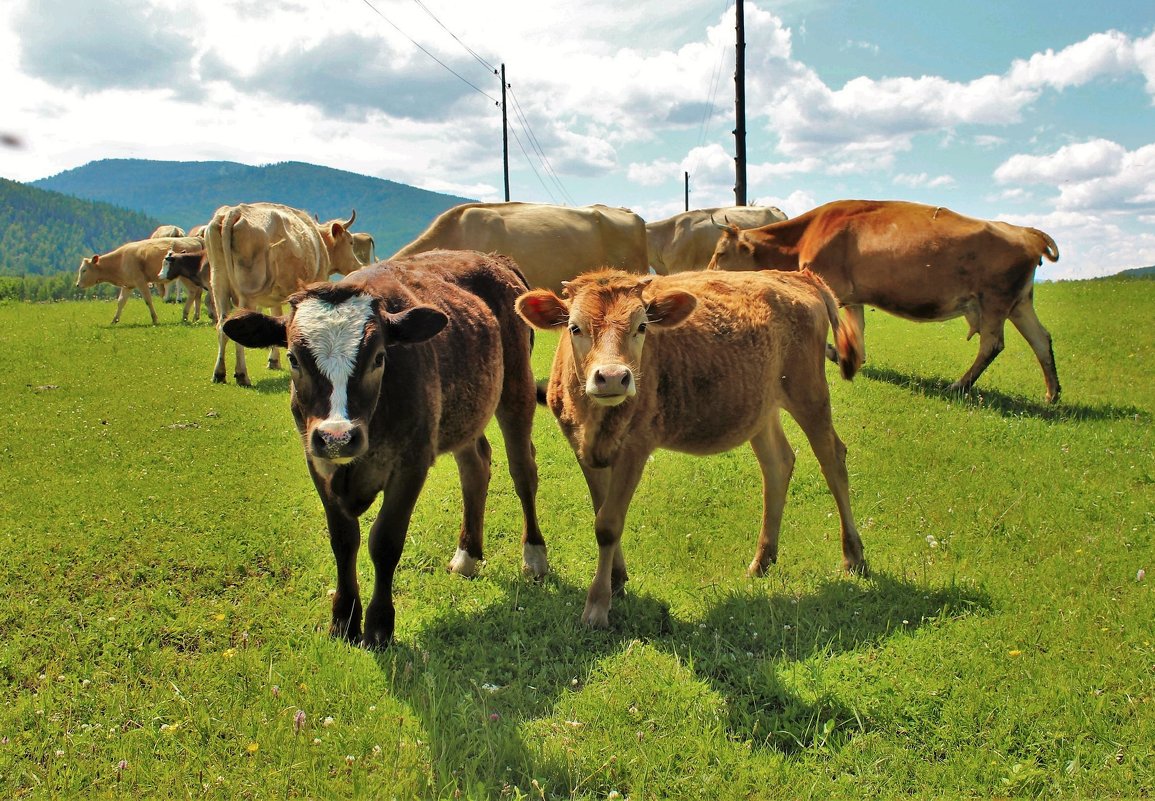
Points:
187	193
42	232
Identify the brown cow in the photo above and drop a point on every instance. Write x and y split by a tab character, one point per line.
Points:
915	261
723	353
392	366
263	252
133	265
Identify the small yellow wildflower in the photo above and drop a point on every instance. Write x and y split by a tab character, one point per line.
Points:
252	748
229	653
1015	652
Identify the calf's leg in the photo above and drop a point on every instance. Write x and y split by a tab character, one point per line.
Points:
474	467
608	525
516	421
345	540
146	293
121	299
810	407
776	460
386	541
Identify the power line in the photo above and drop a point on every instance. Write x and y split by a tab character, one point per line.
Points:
464	80
538	148
468	49
535	172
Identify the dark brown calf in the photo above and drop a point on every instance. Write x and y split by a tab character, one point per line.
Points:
392	366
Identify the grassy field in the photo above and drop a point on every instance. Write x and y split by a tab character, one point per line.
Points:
166	571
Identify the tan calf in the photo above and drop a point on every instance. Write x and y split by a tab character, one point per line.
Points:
699	363
133	265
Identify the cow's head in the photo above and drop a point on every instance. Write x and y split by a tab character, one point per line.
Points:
733	251
86	276
339	242
607	316
337	340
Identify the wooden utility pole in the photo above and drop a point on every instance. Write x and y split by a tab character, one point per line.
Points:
504	134
687	176
740	108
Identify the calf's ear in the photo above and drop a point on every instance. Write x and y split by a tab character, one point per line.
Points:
255	330
543	309
670	309
413	325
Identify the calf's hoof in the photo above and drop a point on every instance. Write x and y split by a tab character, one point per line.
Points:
378	627
463	564
534	562
218	378
596	616
242	379
859	568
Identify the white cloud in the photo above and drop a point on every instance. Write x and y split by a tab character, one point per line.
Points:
917	180
1095	175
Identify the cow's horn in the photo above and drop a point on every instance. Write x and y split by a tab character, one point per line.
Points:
353	217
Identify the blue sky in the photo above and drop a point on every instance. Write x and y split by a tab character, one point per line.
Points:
1039	113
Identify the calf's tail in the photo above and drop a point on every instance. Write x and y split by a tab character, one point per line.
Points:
847	337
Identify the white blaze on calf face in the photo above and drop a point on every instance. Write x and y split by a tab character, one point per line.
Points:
333	334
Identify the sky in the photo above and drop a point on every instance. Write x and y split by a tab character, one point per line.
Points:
1037	112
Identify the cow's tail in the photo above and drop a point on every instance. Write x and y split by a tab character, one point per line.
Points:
1050	249
227	223
847	337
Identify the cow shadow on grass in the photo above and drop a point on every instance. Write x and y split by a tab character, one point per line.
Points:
1002	403
495	669
272	383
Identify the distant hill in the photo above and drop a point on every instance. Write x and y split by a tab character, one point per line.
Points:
187	193
42	233
1137	272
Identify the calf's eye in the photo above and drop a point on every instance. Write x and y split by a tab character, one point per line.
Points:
575	329
379	360
293	361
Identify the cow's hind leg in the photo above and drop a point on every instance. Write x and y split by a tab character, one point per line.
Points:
473	465
990	346
776	460
386	541
515	417
811	409
1027	322
274	362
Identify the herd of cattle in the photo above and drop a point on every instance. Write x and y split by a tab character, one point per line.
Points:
411	357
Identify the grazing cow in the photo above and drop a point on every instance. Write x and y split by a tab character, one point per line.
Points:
168	231
550	244
133	265
393	365
191	267
364	247
696	362
263	252
686	241
915	261
198	230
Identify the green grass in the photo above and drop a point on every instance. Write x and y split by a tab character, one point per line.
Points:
166	569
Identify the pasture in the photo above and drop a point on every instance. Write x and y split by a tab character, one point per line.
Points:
165	571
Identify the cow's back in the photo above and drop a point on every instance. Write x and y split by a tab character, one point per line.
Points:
266	251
